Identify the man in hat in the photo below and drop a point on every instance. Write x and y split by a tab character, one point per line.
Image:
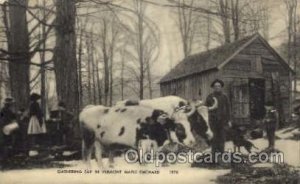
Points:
7	115
271	123
219	118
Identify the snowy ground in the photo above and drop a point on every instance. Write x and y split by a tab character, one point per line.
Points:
186	174
290	148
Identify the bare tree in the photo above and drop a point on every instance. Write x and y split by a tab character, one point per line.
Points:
15	22
151	55
235	18
65	54
3	66
224	16
225	20
122	73
144	42
242	18
292	21
105	54
35	30
208	30
115	31
89	69
291	6
186	25
43	39
4	80
92	62
140	13
99	82
79	59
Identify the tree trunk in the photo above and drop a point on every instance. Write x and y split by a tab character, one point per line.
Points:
99	86
122	75
295	49
208	29
18	47
79	68
65	63
186	23
235	18
106	77
140	47
93	70
149	80
114	33
89	73
42	69
111	75
291	6
225	21
105	61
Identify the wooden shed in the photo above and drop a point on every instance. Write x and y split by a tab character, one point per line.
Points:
253	72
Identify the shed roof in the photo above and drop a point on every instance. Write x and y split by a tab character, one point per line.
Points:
214	59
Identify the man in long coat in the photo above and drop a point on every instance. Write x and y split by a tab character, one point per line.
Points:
220	117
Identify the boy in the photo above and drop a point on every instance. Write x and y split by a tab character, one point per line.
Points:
271	122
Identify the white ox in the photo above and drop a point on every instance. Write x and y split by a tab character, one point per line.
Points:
89	119
170	104
127	125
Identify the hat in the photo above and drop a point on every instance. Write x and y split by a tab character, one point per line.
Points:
9	100
34	96
217	81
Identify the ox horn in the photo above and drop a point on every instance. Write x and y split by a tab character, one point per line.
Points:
214	106
192	111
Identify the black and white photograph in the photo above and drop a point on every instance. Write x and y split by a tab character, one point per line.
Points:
149	91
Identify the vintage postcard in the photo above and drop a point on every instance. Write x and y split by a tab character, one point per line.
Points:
149	91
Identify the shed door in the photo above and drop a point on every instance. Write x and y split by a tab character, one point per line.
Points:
239	95
257	98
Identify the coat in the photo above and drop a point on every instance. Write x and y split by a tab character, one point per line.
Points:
271	120
6	116
35	110
222	114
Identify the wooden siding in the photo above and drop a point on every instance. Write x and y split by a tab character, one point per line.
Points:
255	61
263	64
189	87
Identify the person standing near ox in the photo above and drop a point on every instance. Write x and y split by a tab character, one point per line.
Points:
219	118
36	125
7	116
271	123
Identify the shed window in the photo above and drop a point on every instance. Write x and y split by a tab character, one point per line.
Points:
240	100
